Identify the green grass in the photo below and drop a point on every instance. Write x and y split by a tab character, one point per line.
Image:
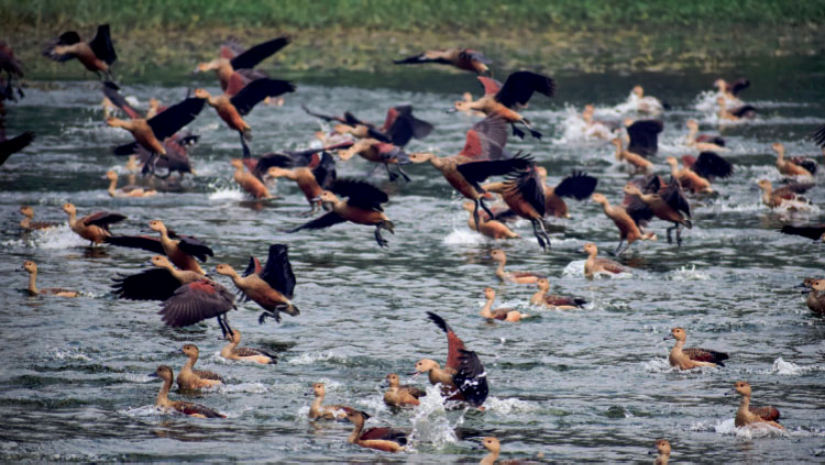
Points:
412	15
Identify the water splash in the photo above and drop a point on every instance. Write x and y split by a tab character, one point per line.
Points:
243	388
310	358
463	237
59	237
508	406
71	355
430	423
228	193
689	274
728	427
781	367
658	365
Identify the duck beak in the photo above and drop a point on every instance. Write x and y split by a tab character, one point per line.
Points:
669	336
316	199
451	110
653	452
153	375
384	385
146	264
730	392
415	374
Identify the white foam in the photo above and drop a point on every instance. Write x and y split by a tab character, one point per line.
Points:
781	367
689	274
658	365
229	193
430	423
307	358
574	268
59	237
728	427
70	355
143	411
463	237
507	406
249	388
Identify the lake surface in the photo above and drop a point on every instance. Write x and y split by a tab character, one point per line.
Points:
584	385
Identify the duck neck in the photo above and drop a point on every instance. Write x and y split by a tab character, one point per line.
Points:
538	297
487	311
677	348
619	151
112	187
356	432
229	348
500	269
780	155
674	170
237	279
490	458
163	399
316	404
744	404
767	193
32	286
691	137
72	219
190	362
26	223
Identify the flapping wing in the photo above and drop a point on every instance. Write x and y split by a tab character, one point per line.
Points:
278	271
710	165
486	139
128	149
454	343
325	173
637	210
110	90
644	137
152	244
519	87
819	136
401	126
171	120
527	185
14	145
258	53
471	378
325	221
739	86
360	194
476	172
154	284
673	196
257	90
102	45
194	247
326	118
254	267
578	185
490	85
103	219
195	302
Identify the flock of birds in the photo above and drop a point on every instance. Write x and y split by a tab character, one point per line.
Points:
188	295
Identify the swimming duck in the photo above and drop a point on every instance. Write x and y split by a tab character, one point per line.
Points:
797	166
518	277
730	91
318	411
383	439
463	378
494	447
97	55
28	224
249	182
232	352
242	62
362	206
555	302
31	268
311	181
128	191
669	204
187	408
662	452
461	58
400	396
747	415
736	114
271	286
491	228
232	107
482	156
596	264
646	104
686	359
504	314
183	251
515	93
816	298
785	196
703	142
190	379
629	230
94	227
376	151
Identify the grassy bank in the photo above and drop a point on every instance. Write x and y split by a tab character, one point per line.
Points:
157	37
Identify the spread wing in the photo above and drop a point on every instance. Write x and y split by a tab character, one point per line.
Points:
454	343
103	219
819	136
258	53
191	246
471	379
152	244
673	196
102	45
194	302
127	149
578	185
519	87
326	118
644	137
360	194
278	271
739	86
325	173
254	267
527	185
110	90
171	120
710	165
257	90
401	126
14	145
490	85
325	221
813	232
476	172
486	139
154	284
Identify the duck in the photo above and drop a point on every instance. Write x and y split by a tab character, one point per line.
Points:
233	106
319	411
271	286
515	93
128	191
639	163
491	228
503	314
190	379
786	196
797	166
465	59
629	230
187	408
736	114
397	395
158	283
96	55
643	136
249	182
183	251
375	151
703	142
730	91
150	134
13	68
524	194
232	61
311	181
383	439
816	298
31	268
196	301
747	415
95	227
687	359
708	166
668	204
232	352
555	302
578	185
27	223
400	126
689	180
463	378
662	452
595	264
517	277
646	104
362	206
493	446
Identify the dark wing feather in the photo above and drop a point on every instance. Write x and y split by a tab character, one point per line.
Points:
644	137
152	244
766	413
203	374
14	145
352	120
278	271
326	118
806	163
127	149
471	379
245	100
710	165
528	185
195	302
473	55
702	355
813	232
188	408
68	38
254	267
744	110
325	221
103	219
476	172
192	246
258	53
578	185
519	87
154	284
102	45
385	434
454	343
486	139
673	196
637	209
405	126
325	173
171	120
110	90
267	161
360	194
819	136
739	86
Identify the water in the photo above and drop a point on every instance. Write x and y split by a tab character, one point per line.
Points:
586	385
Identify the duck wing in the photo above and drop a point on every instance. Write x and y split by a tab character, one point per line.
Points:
486	139
401	126
710	165
360	194
194	247
254	92
673	196
739	86
478	171
454	343
211	375
194	302
14	145
766	413
278	271
188	408
325	221
561	301
490	85
644	137
103	219
819	136
527	186
254	266
325	172
168	122
151	244
813	232
258	53
520	86
102	46
471	378
385	434
327	118
110	90
703	355
154	284
578	185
